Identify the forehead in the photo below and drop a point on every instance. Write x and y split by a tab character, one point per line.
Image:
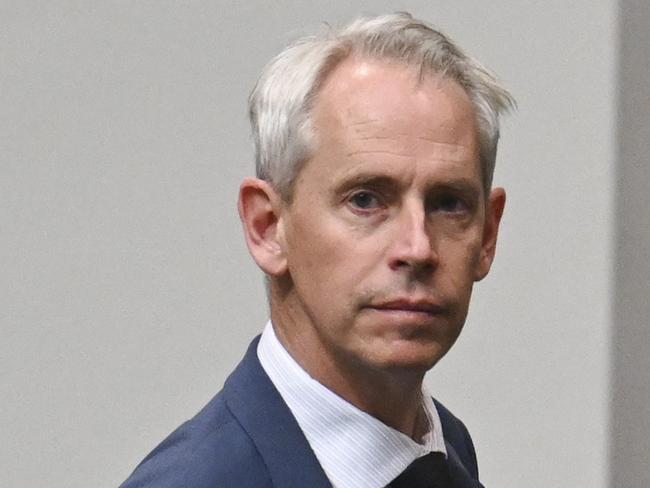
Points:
381	90
371	112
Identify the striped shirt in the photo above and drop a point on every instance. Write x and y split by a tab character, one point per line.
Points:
354	449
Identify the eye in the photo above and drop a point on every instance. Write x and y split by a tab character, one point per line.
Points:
364	200
449	204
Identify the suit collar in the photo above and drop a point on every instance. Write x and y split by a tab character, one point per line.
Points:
262	413
457	470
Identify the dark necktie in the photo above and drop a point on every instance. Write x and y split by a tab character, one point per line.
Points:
430	471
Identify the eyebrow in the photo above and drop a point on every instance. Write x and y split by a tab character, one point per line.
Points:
366	180
465	186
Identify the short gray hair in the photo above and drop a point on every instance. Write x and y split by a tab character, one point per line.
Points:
281	101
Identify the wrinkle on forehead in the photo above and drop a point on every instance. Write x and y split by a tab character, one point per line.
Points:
361	152
361	123
452	152
371	138
360	127
440	150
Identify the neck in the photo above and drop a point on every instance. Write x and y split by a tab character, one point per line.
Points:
393	396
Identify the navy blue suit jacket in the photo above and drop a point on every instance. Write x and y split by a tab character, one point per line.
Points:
247	437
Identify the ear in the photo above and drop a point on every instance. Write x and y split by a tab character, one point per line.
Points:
259	210
493	212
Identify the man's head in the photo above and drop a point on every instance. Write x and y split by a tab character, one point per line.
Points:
372	214
280	105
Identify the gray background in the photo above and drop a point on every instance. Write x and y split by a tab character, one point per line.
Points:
126	291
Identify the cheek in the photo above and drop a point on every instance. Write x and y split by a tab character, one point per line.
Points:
328	245
313	252
459	261
332	267
315	258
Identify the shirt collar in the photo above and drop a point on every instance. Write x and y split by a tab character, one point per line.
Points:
354	448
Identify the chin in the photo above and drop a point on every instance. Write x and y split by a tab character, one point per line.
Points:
416	358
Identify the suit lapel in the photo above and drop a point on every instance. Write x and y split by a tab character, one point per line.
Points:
262	413
457	471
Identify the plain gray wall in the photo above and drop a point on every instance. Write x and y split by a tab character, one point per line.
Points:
126	292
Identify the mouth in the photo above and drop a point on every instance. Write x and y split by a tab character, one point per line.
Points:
414	320
406	307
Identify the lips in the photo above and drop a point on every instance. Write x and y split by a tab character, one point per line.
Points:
408	306
407	318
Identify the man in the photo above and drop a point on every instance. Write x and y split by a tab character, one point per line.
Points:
372	215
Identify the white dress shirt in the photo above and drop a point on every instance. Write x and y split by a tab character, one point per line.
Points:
354	449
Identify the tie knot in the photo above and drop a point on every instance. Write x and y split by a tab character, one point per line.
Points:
429	471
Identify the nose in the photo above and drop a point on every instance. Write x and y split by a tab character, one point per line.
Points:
413	245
